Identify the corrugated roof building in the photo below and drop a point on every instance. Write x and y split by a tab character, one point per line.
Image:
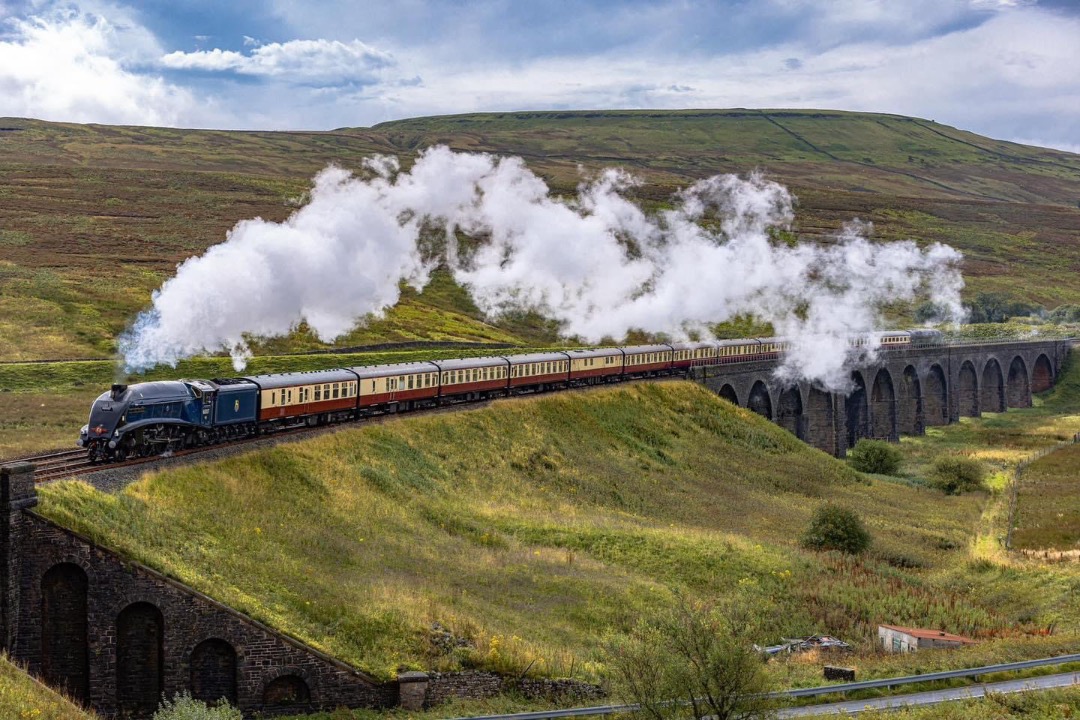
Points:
895	638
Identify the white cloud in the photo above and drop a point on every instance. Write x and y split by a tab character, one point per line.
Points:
71	67
1013	75
305	61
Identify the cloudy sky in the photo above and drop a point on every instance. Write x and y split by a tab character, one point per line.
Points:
1005	68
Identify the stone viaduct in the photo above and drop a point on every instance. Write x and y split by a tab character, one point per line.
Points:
902	392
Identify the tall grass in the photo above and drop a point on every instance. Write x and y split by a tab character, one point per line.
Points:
24	698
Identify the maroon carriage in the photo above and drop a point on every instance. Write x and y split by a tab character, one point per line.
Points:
646	360
401	386
472	378
538	371
588	367
310	397
686	355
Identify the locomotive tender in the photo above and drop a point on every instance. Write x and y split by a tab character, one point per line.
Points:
155	417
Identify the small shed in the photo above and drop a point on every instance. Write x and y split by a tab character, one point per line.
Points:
895	638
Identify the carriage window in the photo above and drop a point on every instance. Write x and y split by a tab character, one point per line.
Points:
410	382
318	392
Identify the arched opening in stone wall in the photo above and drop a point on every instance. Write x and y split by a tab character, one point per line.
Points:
140	659
286	691
857	413
759	400
820	430
728	393
993	388
935	397
213	671
967	391
883	407
65	651
1042	375
789	412
910	404
1017	389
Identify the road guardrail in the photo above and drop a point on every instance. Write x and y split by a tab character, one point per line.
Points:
805	692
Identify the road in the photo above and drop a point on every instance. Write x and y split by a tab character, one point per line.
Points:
932	697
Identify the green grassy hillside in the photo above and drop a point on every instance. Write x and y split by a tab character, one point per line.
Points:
92	218
536	528
23	698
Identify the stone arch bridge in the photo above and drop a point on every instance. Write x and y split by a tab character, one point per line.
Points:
902	392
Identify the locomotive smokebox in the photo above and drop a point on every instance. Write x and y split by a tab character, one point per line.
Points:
118	391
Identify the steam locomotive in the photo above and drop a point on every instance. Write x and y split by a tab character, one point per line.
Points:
152	418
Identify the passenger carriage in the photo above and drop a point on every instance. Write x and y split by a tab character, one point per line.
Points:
472	378
770	348
310	397
686	355
729	351
643	360
398	386
538	371
588	367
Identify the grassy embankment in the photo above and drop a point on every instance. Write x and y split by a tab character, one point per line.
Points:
536	528
94	218
23	698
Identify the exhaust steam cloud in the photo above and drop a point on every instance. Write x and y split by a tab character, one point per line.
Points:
596	263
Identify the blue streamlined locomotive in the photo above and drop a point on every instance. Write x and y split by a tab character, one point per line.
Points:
154	417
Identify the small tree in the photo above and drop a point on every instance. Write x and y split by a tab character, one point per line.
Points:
953	474
184	707
875	456
836	528
694	660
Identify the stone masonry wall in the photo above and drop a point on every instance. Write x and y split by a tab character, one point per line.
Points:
141	629
476	684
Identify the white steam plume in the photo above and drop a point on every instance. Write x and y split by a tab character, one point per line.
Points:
597	264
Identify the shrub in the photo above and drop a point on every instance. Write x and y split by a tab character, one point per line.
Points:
1065	314
184	707
836	528
694	660
953	474
875	456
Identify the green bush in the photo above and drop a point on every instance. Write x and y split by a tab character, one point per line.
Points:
1065	314
836	528
184	707
954	474
875	456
